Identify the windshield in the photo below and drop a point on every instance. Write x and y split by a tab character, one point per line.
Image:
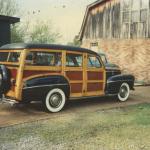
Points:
9	56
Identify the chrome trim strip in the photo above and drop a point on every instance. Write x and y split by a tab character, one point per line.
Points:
118	81
43	86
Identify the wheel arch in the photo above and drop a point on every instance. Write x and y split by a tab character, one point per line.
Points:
39	86
113	83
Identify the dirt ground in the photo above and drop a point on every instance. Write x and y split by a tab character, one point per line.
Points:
12	115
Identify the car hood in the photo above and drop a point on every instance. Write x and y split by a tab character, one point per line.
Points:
110	66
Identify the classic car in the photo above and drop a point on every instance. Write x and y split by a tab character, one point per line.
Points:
55	74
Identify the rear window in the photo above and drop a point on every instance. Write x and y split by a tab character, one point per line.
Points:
9	56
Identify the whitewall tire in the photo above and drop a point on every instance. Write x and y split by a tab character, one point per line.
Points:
55	100
124	92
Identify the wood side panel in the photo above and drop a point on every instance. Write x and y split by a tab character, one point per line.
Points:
95	75
94	87
13	73
76	87
74	75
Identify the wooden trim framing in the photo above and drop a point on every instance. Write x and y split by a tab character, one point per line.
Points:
43	68
12	51
10	63
63	69
18	89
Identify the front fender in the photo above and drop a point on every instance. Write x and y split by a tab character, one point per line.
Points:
113	83
37	88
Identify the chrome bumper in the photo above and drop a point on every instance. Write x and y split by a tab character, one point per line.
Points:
3	99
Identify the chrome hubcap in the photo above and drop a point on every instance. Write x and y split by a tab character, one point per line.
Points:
123	91
55	100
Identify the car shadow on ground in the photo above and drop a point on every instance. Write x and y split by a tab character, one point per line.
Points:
35	107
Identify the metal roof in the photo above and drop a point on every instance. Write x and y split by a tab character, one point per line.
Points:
9	19
21	46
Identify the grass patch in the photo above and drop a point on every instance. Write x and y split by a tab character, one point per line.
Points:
116	129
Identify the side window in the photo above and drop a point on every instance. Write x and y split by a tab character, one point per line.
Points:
94	62
3	56
74	60
43	59
14	57
9	56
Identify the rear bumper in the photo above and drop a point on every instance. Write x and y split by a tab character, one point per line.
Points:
3	99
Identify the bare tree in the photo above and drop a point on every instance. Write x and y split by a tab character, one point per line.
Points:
43	32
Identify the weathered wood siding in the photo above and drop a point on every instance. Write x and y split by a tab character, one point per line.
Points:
119	19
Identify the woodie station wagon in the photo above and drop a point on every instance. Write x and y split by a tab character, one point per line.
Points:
54	74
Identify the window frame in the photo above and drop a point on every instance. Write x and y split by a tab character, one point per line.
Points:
11	62
44	51
75	53
98	58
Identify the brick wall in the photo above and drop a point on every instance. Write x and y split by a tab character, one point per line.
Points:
133	56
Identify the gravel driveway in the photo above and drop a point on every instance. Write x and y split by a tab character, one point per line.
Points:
12	115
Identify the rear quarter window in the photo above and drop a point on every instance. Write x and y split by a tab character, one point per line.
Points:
3	56
43	59
9	56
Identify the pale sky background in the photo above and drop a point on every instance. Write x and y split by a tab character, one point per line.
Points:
66	15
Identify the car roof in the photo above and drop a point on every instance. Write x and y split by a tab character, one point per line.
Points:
21	46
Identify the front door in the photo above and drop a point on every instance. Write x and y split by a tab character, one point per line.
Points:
74	73
94	76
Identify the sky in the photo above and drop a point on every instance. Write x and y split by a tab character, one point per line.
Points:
65	15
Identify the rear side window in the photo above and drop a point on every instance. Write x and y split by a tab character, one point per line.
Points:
13	57
3	56
9	56
74	60
43	59
94	62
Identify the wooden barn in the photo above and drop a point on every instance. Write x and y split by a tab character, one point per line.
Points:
5	33
121	29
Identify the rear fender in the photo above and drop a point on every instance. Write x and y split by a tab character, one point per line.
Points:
113	83
37	88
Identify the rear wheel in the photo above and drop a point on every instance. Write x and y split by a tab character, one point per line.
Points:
123	92
55	100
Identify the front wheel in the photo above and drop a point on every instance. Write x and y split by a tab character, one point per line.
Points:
55	100
124	92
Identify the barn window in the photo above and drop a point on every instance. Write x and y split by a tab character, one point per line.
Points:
126	16
135	16
142	29
134	30
143	15
125	30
